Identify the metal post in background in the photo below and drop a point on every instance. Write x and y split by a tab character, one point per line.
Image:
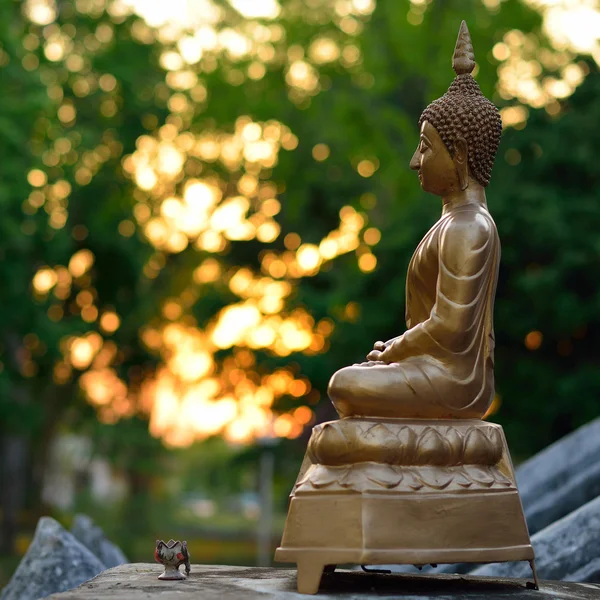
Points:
265	485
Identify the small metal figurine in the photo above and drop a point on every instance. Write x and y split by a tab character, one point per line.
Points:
172	555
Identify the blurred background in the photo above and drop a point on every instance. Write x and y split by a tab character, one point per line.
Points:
207	210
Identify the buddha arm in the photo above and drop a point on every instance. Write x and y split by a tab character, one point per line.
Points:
466	252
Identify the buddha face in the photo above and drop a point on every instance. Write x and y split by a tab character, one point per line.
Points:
439	173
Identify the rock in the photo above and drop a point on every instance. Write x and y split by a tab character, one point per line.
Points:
93	538
206	582
561	478
575	492
54	562
590	572
561	549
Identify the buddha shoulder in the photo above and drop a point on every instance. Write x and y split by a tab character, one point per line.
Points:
466	239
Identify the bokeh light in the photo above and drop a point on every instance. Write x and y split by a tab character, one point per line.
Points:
198	191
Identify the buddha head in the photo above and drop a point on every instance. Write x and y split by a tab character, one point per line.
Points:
459	133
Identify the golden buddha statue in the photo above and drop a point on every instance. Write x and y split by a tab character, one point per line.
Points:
443	366
411	474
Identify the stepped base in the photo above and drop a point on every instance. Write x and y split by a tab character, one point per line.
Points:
405	513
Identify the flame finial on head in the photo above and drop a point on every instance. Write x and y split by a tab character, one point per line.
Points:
463	60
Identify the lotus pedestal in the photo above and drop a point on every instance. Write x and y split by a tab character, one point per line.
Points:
397	491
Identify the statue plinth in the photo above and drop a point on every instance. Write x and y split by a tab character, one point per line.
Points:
403	491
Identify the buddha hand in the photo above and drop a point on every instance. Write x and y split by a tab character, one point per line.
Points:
379	348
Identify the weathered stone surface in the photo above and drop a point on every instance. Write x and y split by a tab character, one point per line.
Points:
139	581
93	538
54	562
589	573
561	478
560	549
578	489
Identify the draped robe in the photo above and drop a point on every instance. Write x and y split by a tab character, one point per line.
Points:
443	365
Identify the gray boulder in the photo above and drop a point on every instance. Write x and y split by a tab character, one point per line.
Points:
590	573
561	550
54	562
561	478
93	538
578	489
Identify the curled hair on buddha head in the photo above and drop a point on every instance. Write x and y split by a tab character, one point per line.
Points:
463	111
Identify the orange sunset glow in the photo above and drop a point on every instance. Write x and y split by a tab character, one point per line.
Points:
202	190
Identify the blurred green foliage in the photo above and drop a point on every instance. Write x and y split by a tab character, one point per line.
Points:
544	199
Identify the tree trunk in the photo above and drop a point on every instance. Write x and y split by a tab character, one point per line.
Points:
13	486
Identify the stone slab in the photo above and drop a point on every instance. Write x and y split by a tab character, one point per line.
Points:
581	487
589	572
561	477
139	581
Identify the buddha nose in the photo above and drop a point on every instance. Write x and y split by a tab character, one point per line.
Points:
415	161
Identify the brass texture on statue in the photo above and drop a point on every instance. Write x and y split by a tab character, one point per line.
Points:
395	442
372	477
411	474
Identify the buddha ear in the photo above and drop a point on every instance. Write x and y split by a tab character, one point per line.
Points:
460	158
